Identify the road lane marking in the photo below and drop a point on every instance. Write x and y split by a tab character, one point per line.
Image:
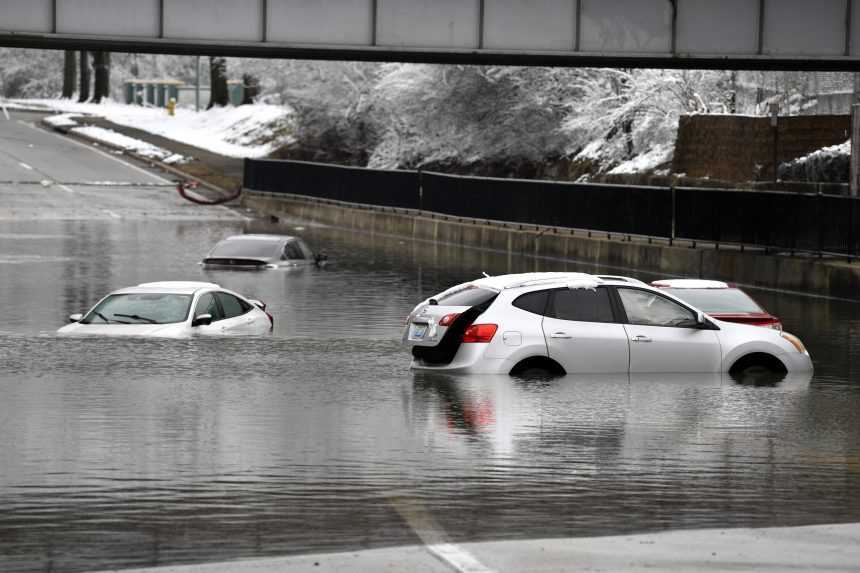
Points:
112	214
6	113
25	166
434	538
67	189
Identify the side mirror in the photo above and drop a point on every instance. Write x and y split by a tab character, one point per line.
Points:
75	317
700	319
202	320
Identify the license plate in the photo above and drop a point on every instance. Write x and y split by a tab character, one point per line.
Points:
418	331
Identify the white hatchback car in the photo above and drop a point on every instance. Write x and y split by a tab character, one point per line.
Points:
164	309
580	323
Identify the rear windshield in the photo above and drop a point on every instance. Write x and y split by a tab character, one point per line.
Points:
716	299
142	308
254	248
469	296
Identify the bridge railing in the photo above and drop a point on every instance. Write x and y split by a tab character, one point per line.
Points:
784	221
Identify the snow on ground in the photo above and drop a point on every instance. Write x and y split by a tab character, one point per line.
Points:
647	161
244	131
121	141
62	120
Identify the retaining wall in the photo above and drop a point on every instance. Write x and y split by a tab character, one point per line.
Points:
802	274
741	148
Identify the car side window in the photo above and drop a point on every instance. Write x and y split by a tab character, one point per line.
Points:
292	251
206	305
534	302
651	309
583	305
232	306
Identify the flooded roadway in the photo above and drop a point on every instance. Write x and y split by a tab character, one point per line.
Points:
127	453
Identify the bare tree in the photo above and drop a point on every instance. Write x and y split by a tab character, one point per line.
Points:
101	65
70	74
84	91
218	82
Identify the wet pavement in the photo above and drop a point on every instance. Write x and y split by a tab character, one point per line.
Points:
130	453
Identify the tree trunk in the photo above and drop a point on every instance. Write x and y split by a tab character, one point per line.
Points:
218	82
252	88
70	74
84	90
101	65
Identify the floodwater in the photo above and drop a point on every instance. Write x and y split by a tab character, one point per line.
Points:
121	453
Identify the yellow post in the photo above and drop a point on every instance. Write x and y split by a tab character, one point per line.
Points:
171	106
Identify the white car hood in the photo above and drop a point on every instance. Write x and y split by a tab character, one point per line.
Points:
167	330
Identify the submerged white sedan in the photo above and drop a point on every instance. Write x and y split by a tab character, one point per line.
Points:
578	323
172	309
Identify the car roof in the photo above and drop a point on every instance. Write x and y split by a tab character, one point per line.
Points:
168	287
691	283
260	237
549	279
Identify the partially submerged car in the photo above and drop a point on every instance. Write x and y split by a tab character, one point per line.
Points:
164	309
721	300
261	251
579	323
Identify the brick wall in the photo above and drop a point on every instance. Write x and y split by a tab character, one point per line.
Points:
741	148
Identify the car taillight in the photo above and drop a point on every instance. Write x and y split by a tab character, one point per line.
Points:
480	333
448	319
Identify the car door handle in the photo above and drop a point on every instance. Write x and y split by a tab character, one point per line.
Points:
641	338
560	335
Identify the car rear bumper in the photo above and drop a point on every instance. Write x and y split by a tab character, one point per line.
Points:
470	359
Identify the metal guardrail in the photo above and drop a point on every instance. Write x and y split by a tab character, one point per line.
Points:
772	220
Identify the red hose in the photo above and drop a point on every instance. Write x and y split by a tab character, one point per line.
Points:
182	186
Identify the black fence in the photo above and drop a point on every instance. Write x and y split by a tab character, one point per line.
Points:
351	184
780	220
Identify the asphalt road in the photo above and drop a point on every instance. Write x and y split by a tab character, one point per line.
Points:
44	175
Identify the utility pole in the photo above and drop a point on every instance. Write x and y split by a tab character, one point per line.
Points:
197	87
774	125
855	149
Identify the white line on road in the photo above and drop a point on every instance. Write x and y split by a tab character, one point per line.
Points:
24	165
458	558
112	214
434	537
6	113
67	189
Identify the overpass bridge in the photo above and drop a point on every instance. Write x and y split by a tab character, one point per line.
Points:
742	34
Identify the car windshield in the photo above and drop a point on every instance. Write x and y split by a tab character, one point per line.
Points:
140	308
254	248
716	299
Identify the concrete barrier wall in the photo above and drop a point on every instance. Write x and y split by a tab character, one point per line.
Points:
741	148
807	275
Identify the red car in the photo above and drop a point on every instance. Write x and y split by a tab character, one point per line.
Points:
723	301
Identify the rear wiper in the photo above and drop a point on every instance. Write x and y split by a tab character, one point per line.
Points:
137	317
